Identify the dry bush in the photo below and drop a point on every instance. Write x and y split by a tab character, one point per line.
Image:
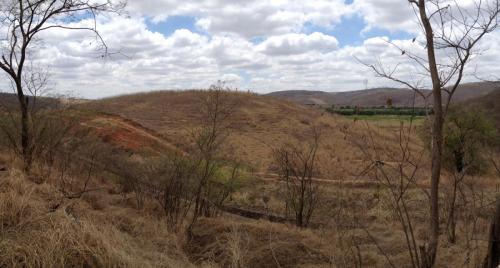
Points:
264	244
297	168
172	186
403	188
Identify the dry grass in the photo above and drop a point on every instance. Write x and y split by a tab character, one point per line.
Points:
103	229
74	235
261	124
233	242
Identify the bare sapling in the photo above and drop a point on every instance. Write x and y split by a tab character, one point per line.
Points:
297	166
218	108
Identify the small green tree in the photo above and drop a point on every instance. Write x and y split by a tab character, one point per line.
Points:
467	135
389	102
468	132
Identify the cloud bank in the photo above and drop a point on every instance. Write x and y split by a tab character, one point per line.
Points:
261	46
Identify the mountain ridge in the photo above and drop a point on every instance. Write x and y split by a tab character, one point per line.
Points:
375	97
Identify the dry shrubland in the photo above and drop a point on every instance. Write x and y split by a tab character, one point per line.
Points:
122	194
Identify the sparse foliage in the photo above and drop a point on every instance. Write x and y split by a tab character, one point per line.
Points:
218	106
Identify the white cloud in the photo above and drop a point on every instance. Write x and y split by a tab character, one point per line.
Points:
393	15
247	18
291	44
286	58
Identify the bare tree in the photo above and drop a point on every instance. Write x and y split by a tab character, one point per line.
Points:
297	167
22	22
172	186
452	33
397	173
218	106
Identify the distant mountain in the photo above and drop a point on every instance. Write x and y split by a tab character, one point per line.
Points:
9	101
306	97
378	96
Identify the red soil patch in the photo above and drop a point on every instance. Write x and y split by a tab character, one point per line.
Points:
127	134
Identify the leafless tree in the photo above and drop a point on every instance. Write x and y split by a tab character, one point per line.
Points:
218	107
21	23
297	167
452	33
172	186
397	173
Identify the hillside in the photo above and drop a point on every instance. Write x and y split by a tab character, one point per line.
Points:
306	97
378	96
490	104
260	125
8	101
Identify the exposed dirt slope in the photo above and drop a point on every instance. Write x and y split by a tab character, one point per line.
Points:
127	134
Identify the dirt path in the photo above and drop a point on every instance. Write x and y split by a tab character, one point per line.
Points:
357	183
350	183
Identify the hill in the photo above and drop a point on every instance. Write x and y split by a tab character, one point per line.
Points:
306	97
8	101
260	125
490	104
378	96
106	227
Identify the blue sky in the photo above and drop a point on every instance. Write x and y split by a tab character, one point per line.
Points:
173	23
351	31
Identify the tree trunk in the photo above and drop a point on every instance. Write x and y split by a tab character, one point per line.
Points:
451	223
493	256
437	145
429	254
300	212
26	139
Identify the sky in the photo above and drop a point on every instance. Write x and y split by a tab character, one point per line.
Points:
256	45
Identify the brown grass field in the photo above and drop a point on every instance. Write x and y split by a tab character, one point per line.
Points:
354	226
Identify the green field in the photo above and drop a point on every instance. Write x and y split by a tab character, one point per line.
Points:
382	114
380	117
